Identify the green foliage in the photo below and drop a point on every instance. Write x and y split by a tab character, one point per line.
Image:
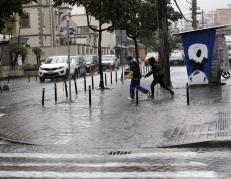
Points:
38	53
9	8
15	51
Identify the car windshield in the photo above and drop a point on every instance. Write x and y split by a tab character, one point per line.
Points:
53	60
107	58
176	55
76	59
88	58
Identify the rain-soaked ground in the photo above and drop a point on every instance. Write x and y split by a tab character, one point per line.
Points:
114	138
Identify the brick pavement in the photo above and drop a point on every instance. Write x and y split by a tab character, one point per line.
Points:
113	121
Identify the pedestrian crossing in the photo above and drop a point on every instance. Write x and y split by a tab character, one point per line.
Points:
92	166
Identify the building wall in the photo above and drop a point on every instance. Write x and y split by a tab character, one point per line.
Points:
224	16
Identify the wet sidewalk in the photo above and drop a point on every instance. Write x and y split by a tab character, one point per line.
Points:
113	121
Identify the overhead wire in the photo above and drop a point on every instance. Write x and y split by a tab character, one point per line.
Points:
181	12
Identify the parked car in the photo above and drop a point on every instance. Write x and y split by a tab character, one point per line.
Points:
152	54
92	63
177	58
81	67
110	61
56	67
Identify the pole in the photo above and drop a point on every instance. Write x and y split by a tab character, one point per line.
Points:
43	96
85	84
55	93
187	93
194	14
90	95
105	79
92	81
76	90
69	61
137	97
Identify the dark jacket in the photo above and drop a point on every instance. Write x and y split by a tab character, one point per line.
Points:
156	71
134	66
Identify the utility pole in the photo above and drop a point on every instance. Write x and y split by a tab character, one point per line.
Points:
164	41
194	14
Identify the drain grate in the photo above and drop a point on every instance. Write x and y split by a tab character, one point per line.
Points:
119	152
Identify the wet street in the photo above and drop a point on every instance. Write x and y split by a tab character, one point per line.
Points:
114	138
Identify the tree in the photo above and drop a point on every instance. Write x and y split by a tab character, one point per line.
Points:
17	50
100	9
9	8
38	53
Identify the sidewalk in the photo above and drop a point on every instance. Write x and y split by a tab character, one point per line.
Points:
115	122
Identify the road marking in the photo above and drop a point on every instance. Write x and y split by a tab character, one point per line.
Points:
108	175
98	165
87	156
2	114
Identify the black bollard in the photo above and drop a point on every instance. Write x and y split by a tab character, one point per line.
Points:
105	79
66	89
76	89
137	97
122	74
1	88
92	80
90	95
55	93
111	77
36	77
85	84
43	96
28	78
187	93
8	78
116	76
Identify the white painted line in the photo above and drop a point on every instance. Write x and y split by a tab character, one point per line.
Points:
87	156
2	114
99	165
108	175
1	107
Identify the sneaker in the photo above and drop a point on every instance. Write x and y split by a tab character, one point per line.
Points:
130	98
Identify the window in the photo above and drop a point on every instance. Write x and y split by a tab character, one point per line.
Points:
25	20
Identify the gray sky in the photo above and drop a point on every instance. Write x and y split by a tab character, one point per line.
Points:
205	5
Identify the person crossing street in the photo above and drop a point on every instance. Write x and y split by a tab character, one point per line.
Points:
158	76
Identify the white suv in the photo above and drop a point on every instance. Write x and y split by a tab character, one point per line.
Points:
55	67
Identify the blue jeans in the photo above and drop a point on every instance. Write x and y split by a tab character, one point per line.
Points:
135	84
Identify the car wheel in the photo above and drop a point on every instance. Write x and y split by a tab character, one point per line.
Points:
41	79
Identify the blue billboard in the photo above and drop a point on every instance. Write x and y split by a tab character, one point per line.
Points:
198	50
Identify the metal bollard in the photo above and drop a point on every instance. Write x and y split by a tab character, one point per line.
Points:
43	96
66	89
122	74
111	77
28	78
8	78
1	88
76	89
137	97
90	95
105	79
92	81
55	93
36	77
116	76
85	84
187	93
